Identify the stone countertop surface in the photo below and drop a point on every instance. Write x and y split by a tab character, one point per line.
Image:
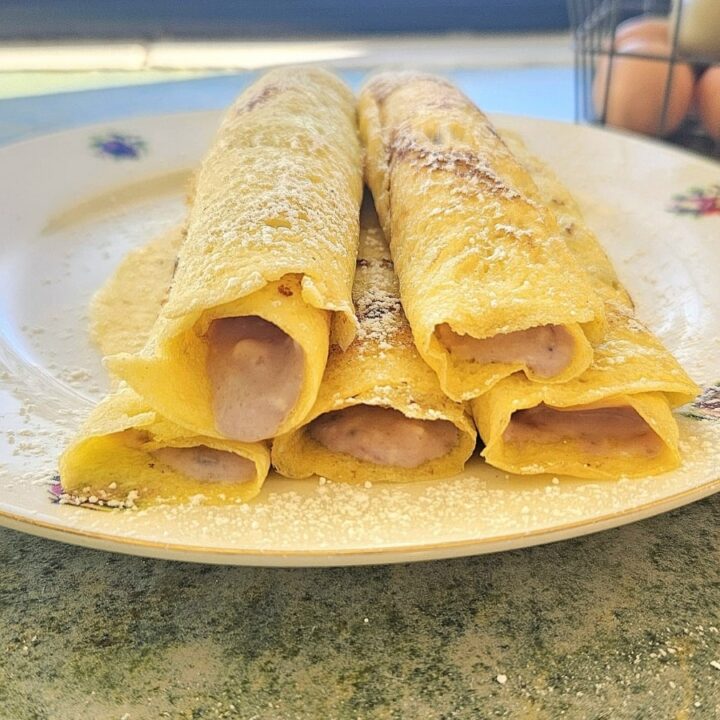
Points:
621	624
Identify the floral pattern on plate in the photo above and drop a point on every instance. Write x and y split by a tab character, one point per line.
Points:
119	146
707	406
697	202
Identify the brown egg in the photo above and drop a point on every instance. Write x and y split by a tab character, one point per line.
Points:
637	89
707	99
652	28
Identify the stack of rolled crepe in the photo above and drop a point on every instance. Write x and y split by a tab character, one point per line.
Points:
615	419
511	304
381	414
513	309
125	449
239	348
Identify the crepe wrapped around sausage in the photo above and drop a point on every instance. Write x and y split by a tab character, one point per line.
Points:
126	451
240	347
487	283
380	414
616	418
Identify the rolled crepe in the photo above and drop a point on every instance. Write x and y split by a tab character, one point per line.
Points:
240	347
488	284
380	414
615	419
126	451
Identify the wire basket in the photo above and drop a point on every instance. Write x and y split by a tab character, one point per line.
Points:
594	24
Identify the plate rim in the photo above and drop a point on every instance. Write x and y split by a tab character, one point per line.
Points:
540	536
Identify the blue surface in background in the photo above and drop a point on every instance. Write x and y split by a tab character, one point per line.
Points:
545	92
156	19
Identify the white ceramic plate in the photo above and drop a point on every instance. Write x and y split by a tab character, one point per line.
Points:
72	204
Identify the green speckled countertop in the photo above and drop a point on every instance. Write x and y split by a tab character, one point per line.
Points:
623	624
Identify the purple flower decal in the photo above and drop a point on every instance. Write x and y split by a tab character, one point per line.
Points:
707	406
697	202
56	489
119	146
101	501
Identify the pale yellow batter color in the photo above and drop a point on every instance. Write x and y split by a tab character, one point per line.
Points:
111	456
630	368
272	231
380	368
472	247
